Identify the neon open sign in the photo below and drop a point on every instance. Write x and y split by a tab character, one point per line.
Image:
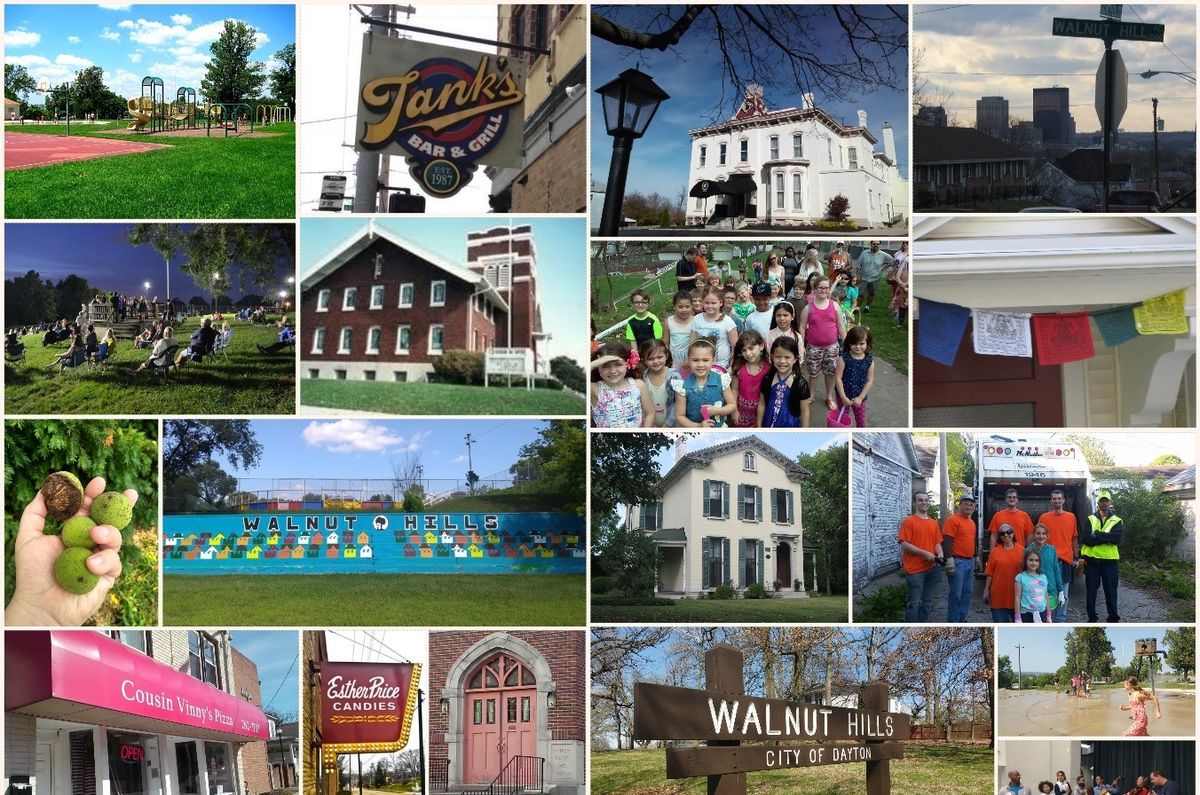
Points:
132	753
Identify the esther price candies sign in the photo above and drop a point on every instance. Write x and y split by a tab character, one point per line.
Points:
367	706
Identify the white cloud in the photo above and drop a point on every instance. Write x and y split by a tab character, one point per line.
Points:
135	57
353	436
21	38
114	6
40	67
461	458
150	33
74	39
72	61
181	19
110	35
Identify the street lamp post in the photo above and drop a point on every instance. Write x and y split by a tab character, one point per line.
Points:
630	102
1188	76
282	757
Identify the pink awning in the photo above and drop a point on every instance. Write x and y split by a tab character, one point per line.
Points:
83	676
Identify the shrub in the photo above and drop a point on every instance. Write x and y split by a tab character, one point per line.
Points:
460	367
756	590
837	208
602	584
569	373
631	601
414	501
885	605
723	592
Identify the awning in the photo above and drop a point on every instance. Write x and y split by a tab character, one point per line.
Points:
85	677
705	188
738	184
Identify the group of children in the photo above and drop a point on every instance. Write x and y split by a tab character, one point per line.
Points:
738	355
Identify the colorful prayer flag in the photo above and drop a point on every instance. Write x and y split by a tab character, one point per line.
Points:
1063	338
1162	315
1002	334
941	330
1116	325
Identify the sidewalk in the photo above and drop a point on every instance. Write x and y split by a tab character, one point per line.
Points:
887	405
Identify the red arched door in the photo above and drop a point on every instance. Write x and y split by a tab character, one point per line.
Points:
501	717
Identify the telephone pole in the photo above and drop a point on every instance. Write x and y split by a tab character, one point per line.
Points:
1020	686
470	465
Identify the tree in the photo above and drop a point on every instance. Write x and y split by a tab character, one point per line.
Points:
617	652
1093	449
783	46
632	560
283	78
826	516
556	459
89	94
259	252
624	471
407	472
837	208
1166	459
1005	676
566	370
188	443
1181	650
29	300
72	292
18	83
1089	649
1154	521
231	76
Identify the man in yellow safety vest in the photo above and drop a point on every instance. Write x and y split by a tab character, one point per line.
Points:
1098	546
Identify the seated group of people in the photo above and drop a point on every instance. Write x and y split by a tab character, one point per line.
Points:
84	347
202	343
1156	783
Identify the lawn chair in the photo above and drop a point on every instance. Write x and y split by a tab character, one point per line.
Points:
101	357
74	366
163	362
221	345
14	354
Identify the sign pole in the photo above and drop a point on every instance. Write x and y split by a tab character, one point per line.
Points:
1154	106
366	170
723	673
874	696
1108	113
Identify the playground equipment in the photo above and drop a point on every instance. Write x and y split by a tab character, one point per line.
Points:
229	116
267	115
152	113
151	108
183	115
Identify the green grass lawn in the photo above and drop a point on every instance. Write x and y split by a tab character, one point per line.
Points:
815	609
944	769
244	382
195	178
424	398
402	600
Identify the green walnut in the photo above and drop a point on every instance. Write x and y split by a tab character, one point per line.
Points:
63	494
77	532
112	508
72	572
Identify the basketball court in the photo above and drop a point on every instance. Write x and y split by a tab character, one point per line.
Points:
25	150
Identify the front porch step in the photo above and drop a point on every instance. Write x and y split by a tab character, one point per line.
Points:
793	594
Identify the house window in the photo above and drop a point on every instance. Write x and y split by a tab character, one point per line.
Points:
779	191
650	515
714	554
750	503
852	155
403	339
715	497
377	296
138	639
437	293
323	301
318	341
703	156
751	568
517	27
721	154
406	295
829	151
345	340
781	506
373	336
369	375
749	462
340	375
745	150
797	144
349	298
541	25
796	202
399	376
314	372
435	339
774	147
202	658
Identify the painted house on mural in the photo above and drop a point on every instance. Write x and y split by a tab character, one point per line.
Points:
1056	265
169	712
552	177
504	702
783	166
379	307
885	473
730	514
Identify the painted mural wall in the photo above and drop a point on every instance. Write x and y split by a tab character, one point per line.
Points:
345	542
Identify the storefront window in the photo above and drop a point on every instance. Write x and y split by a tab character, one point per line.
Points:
188	765
127	762
220	777
83	763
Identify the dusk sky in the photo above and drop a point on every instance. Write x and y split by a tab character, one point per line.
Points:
692	74
102	254
971	51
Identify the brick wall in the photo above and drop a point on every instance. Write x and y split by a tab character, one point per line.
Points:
313	646
252	756
556	183
20	739
564	651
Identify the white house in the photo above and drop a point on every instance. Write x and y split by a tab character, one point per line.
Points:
729	514
885	472
782	167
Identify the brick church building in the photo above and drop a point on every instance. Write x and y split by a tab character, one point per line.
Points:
507	705
380	307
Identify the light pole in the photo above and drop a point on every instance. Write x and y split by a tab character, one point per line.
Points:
1188	76
1020	686
630	102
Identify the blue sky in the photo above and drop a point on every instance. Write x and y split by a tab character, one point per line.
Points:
362	448
1043	650
102	254
691	74
274	652
561	249
790	444
132	41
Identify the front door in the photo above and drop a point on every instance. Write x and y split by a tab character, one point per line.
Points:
127	763
501	717
783	564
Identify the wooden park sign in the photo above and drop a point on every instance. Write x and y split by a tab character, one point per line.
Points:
723	716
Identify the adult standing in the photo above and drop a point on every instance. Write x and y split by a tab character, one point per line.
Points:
773	272
1061	785
687	276
900	286
869	267
791	266
1099	548
1003	565
1014	785
1162	784
920	547
702	262
811	264
838	259
1013	516
1140	787
958	538
1063	529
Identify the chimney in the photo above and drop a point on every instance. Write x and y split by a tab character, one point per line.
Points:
681	443
862	118
808	101
889	142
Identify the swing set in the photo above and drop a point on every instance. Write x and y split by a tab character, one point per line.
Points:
266	115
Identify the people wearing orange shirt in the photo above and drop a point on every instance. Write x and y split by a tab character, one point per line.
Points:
702	262
1063	534
1003	565
920	549
1010	514
958	538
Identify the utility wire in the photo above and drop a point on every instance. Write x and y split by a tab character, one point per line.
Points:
282	682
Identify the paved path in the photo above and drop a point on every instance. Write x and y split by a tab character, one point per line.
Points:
30	150
887	405
1044	713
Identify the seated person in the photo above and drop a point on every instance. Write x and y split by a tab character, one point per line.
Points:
91	343
286	337
111	342
201	343
67	359
146	338
165	343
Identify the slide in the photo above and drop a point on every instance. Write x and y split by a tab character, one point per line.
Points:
140	117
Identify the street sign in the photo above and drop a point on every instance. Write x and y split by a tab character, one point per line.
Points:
1120	89
1111	12
685	762
1107	29
333	193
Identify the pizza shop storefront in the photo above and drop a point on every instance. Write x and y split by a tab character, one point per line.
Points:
86	715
